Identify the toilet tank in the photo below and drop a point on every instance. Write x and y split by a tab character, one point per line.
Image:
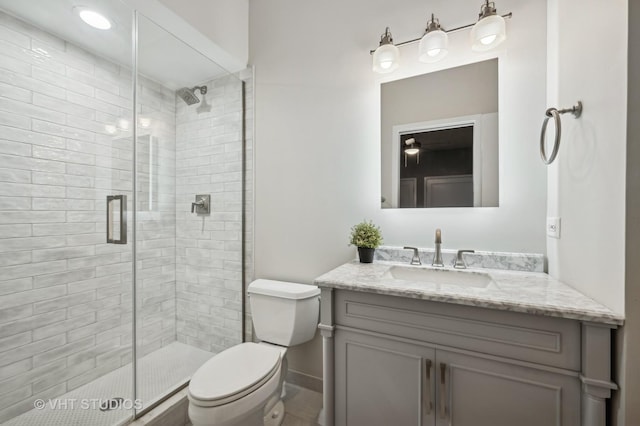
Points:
284	313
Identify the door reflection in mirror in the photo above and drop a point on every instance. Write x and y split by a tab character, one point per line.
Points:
440	139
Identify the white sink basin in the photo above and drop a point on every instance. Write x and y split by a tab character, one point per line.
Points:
440	276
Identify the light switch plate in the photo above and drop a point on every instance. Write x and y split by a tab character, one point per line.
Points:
553	227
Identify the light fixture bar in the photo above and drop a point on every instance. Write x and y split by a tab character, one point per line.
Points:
464	27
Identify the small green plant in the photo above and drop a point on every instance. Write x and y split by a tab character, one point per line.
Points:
366	234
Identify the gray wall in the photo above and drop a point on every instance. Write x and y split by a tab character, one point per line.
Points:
318	135
586	183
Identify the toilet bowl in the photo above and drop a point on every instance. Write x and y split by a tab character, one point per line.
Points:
233	388
243	384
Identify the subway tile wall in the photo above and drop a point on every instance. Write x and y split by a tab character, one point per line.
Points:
156	218
65	295
209	261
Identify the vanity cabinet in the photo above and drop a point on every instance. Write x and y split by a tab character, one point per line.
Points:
477	391
401	361
383	381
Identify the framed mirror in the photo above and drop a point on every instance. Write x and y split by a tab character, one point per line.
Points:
440	139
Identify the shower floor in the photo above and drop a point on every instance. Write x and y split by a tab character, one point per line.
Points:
158	372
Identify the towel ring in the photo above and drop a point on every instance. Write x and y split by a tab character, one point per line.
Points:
554	113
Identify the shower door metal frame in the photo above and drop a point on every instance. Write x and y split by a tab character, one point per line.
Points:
134	218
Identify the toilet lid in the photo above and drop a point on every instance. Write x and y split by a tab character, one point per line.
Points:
235	371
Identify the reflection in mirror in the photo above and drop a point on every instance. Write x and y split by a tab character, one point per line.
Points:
440	138
148	173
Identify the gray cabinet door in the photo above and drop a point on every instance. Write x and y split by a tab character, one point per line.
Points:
383	382
483	392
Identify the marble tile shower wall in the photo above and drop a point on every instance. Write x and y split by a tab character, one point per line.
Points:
156	218
209	160
65	295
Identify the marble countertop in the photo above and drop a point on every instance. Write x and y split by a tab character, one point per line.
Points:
528	292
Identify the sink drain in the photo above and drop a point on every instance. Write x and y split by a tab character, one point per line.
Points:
111	404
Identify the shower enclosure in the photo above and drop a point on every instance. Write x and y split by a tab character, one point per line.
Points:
112	292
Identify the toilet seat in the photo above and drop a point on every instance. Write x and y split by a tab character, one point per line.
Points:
233	374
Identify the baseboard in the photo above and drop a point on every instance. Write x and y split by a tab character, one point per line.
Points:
304	380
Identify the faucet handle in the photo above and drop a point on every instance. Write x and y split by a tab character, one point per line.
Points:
202	204
459	262
415	260
198	203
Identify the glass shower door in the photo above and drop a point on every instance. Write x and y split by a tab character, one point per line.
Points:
96	177
188	283
66	181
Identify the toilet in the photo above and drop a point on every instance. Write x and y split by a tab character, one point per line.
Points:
243	384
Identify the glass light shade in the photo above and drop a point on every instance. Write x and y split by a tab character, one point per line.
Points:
144	122
411	151
433	47
385	58
123	124
488	33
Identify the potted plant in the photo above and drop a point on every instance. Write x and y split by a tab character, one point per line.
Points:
366	236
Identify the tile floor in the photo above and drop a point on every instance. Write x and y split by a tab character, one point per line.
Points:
166	368
301	406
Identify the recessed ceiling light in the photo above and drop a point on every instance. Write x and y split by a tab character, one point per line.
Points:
93	18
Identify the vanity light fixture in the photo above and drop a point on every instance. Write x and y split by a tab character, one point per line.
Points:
93	18
434	45
412	147
386	56
488	32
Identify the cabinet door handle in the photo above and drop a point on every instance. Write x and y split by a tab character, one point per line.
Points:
443	390
427	391
123	219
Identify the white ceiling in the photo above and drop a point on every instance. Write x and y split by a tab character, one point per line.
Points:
161	56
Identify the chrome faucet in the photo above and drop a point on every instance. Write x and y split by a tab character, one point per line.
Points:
199	203
202	204
437	256
415	260
458	262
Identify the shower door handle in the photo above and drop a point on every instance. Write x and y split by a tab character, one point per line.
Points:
123	219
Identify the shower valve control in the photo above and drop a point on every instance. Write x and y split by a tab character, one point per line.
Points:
202	205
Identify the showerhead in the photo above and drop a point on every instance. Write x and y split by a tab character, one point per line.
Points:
189	95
